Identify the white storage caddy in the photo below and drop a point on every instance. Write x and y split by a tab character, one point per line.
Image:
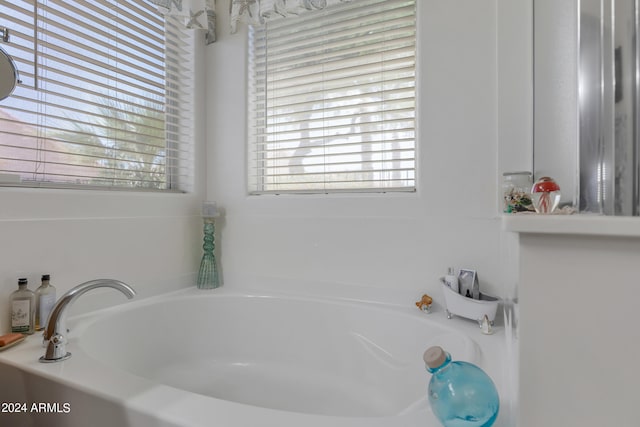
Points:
470	308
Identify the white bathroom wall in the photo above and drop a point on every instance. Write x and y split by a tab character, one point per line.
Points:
400	241
579	340
151	241
151	252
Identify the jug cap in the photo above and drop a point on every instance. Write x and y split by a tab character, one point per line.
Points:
434	357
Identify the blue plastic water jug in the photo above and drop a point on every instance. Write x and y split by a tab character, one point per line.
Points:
460	393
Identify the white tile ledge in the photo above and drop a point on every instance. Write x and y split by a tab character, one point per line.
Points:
582	224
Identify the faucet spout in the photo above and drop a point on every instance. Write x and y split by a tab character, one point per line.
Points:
55	333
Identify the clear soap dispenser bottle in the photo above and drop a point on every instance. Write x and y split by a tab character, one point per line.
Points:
23	306
45	299
452	281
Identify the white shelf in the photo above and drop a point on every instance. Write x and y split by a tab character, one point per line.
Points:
583	224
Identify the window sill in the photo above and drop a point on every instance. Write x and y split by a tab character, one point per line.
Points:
582	224
39	203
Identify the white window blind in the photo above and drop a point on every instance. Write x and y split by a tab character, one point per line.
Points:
105	96
332	100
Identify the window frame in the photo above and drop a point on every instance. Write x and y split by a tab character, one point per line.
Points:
254	188
176	180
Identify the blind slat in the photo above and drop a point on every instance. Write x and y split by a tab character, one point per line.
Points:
98	21
371	175
145	66
341	130
343	43
374	164
332	100
347	147
390	100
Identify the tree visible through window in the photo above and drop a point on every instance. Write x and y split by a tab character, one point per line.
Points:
332	100
98	104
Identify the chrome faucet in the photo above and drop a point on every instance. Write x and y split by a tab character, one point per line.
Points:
55	333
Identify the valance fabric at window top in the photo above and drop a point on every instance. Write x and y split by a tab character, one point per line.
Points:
200	14
197	14
257	12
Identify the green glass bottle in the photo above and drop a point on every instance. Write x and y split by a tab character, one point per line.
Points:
208	277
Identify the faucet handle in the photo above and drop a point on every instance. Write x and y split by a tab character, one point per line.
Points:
56	350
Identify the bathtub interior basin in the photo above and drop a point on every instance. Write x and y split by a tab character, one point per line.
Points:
294	354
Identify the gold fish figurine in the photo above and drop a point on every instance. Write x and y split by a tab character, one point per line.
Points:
425	303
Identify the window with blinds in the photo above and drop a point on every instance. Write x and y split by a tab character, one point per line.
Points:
105	96
332	100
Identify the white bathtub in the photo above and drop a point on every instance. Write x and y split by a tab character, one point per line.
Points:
242	359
